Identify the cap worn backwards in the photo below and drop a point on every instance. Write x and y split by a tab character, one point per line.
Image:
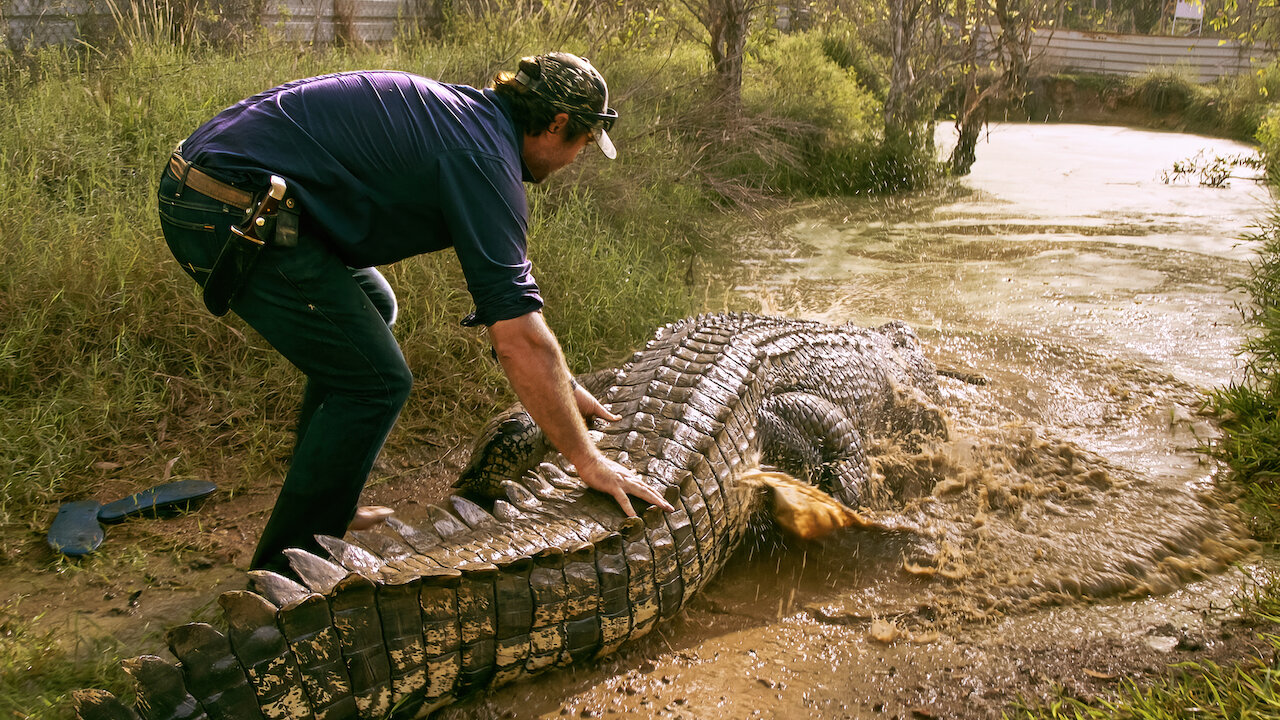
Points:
572	84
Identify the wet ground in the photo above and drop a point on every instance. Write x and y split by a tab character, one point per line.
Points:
1067	534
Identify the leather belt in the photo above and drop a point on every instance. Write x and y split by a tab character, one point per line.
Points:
205	184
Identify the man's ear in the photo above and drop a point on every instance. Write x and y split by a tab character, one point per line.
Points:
558	123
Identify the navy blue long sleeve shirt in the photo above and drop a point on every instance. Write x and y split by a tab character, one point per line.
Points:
387	165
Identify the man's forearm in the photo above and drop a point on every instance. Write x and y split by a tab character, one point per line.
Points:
535	366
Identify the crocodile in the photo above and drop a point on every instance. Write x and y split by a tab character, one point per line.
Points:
407	618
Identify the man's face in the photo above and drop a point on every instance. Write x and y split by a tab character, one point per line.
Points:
549	151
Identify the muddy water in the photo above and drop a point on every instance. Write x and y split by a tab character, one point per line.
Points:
1066	532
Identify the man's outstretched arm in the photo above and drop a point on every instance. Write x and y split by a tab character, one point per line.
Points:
531	357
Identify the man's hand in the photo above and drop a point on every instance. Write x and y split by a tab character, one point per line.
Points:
590	407
535	366
617	481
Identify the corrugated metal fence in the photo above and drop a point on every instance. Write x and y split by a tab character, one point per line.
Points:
1205	59
26	23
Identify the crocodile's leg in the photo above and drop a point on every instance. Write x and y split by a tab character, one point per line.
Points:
811	437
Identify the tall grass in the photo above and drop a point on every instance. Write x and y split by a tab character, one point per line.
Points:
110	367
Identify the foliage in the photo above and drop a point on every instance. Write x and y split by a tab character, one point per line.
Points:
843	46
1269	141
1249	411
833	99
110	366
725	29
109	363
824	140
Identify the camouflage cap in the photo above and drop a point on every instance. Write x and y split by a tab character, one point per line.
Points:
572	84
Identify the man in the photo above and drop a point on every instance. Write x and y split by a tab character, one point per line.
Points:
369	168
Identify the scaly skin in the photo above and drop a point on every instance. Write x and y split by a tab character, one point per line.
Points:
408	619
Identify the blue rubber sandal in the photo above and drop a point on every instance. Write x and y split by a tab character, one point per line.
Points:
170	498
75	531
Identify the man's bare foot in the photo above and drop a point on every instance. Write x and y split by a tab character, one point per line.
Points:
368	516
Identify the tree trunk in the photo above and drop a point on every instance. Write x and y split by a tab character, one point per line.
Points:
899	118
728	24
970	119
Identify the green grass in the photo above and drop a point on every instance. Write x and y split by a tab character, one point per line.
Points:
1199	690
108	359
1249	689
38	669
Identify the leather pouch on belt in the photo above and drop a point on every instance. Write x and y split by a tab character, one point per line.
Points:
286	234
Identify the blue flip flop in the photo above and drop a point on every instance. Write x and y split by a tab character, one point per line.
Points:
170	498
75	531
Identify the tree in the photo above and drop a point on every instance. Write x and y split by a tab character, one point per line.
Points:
1010	26
728	25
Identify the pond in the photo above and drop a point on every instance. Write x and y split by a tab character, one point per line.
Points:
1079	300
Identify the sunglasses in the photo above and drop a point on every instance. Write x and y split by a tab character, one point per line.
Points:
599	121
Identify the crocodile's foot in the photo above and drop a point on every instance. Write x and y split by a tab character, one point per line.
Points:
801	509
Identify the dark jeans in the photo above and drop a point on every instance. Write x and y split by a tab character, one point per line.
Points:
334	324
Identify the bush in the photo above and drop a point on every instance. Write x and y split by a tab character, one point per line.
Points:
811	125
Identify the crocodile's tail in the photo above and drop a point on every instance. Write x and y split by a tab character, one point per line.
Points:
340	645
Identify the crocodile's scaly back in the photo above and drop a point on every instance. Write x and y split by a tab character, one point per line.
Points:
411	617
